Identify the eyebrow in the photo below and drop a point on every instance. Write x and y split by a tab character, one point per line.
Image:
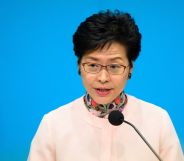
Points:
92	58
116	58
111	59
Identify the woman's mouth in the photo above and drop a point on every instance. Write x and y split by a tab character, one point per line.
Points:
102	91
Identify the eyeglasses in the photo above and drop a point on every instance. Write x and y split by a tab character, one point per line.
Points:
114	69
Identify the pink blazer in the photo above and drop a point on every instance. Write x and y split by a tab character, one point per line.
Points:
72	133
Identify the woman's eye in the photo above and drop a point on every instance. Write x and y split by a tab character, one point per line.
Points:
114	66
93	65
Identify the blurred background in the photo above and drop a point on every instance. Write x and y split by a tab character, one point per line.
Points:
39	71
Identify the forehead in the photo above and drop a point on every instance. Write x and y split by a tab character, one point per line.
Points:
112	52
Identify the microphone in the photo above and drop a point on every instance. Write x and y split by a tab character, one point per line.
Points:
116	118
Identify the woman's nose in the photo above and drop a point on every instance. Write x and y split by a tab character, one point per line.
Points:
103	76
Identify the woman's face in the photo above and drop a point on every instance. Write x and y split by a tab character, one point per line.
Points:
104	87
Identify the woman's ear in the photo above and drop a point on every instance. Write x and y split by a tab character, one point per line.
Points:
130	70
79	70
129	75
79	66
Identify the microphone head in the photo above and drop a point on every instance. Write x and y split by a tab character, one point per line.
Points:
116	118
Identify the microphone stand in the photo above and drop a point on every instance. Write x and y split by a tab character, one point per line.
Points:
143	138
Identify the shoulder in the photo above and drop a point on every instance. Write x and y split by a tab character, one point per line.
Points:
148	116
145	106
64	112
149	113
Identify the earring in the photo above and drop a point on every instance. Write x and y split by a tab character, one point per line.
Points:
79	72
129	75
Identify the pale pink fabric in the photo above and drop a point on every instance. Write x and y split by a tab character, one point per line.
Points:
72	133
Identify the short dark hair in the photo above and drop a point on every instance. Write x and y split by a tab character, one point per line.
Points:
104	28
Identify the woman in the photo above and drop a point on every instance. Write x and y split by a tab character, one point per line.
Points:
106	44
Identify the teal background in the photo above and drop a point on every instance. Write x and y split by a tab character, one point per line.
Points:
38	70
